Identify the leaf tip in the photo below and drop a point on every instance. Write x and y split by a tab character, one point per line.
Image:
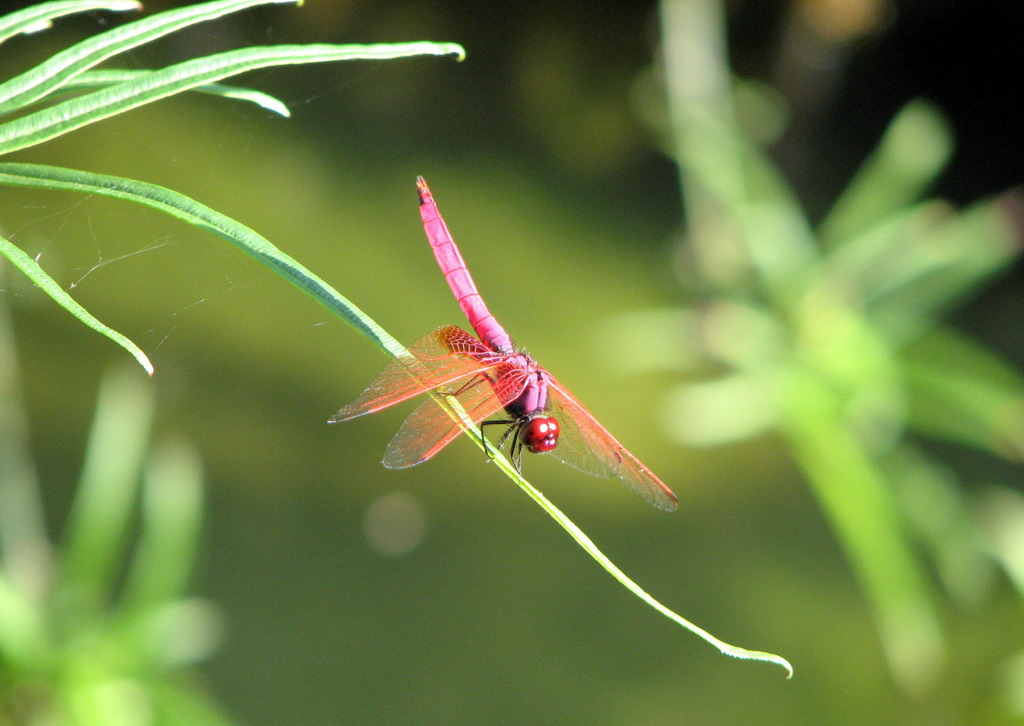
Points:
788	666
456	50
744	654
277	107
777	660
125	5
36	27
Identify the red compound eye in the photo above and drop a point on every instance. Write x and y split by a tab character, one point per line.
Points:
539	434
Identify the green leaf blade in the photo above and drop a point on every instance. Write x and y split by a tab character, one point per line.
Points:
451	405
857	497
945	263
172	509
49	123
44	78
102	511
960	392
90	80
914	149
34	175
191	211
40	277
41	15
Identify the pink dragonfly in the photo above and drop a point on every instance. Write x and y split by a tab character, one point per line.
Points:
487	376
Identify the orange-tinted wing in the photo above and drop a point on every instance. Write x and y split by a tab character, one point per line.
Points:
586	445
430	428
443	356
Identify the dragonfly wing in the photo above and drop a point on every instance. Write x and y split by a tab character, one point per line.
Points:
585	444
441	357
430	428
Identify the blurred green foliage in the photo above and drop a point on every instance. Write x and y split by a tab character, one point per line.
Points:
100	629
832	335
92	635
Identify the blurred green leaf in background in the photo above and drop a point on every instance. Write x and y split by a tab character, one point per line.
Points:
831	335
96	632
100	628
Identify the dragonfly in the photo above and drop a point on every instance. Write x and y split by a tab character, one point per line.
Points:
490	376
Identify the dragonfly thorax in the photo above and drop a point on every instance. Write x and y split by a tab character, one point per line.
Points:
539	433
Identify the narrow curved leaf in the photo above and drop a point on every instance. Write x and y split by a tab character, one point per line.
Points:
39	276
859	502
171	519
61	118
41	16
178	205
451	405
947	262
51	74
914	149
105	78
961	392
102	513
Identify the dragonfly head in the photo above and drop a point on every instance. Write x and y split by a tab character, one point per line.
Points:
539	434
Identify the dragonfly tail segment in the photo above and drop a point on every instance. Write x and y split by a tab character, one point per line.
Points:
457	275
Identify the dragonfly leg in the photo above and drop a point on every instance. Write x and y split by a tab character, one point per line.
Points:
516	449
513	426
517	454
501	443
471	383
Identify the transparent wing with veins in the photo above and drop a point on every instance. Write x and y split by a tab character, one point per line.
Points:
449	360
585	444
442	357
430	428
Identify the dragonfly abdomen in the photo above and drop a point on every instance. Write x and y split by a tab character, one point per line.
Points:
457	275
